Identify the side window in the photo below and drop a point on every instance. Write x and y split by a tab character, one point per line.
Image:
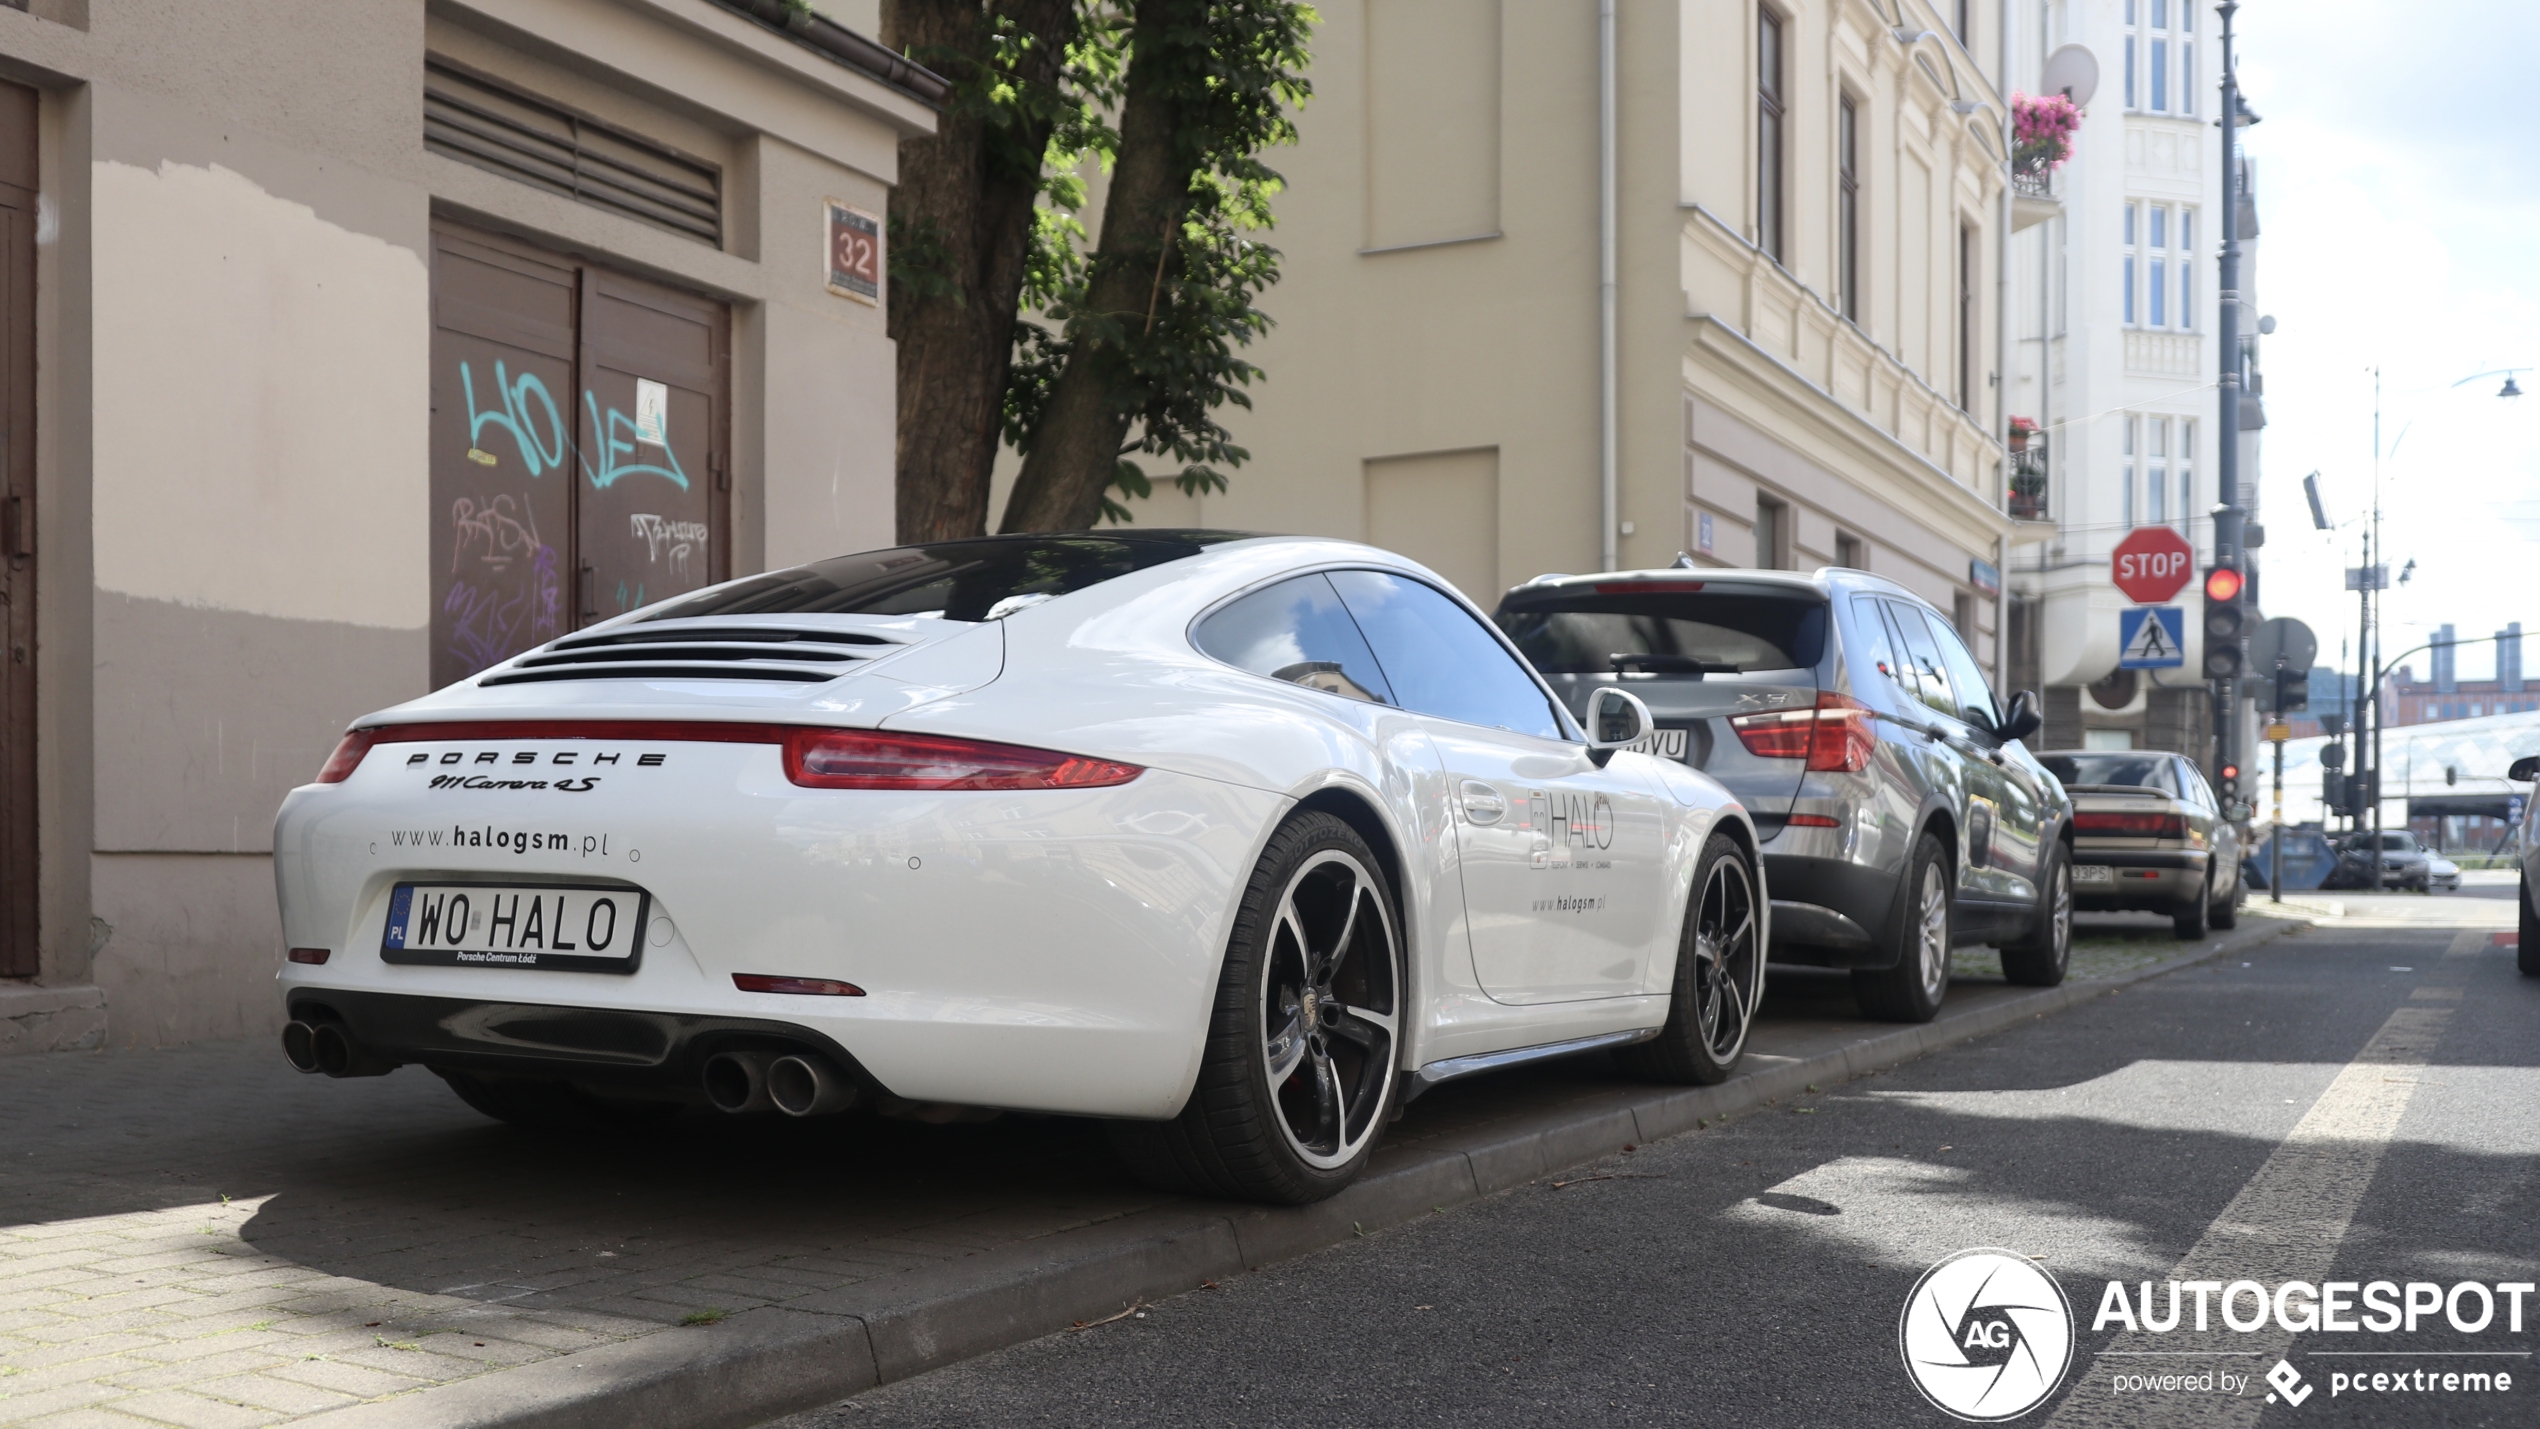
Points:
2199	792
1975	694
1922	657
1875	652
1441	661
1297	631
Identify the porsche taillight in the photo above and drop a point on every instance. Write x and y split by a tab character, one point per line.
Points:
874	759
347	757
1836	737
2131	825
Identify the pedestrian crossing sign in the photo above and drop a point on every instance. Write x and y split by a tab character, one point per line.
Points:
2151	637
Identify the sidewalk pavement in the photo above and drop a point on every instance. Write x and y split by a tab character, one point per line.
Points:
201	1237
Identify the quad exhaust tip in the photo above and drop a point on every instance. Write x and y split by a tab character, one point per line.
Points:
736	1082
809	1086
299	1045
795	1084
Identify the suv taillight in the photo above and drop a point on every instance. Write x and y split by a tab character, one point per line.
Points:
2132	826
1835	738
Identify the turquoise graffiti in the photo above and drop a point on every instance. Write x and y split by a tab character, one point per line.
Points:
524	401
618	436
516	417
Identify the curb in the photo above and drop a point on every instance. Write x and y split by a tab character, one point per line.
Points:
823	1347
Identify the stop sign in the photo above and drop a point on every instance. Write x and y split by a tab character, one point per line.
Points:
2152	564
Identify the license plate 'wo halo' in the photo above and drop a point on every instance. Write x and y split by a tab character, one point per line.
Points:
564	927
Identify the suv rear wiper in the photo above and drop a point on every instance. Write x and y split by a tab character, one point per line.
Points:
1670	665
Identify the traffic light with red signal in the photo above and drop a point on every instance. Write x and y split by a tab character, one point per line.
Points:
2226	621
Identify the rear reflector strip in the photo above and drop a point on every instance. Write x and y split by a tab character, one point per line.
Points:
806	986
311	955
2131	825
1815	821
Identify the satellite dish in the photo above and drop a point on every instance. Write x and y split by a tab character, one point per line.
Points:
2072	70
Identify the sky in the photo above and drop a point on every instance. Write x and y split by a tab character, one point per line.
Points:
2398	189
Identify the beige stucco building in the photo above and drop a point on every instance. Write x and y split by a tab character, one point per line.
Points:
1805	341
351	344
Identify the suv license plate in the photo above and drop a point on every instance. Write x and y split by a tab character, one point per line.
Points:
1665	743
2093	873
555	926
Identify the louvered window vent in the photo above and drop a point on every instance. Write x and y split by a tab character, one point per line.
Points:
477	119
708	652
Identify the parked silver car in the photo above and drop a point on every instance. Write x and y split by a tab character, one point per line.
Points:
2150	836
1899	813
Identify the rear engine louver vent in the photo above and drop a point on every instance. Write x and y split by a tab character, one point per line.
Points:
479	120
806	657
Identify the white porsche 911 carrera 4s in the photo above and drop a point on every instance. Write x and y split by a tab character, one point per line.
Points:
1235	842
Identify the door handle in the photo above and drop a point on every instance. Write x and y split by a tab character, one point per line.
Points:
1482	803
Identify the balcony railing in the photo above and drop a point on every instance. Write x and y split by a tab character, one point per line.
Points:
2027	497
2033	183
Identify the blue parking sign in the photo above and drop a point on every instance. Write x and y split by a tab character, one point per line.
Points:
2151	637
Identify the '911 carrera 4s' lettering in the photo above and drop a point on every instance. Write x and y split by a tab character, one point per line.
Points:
583	785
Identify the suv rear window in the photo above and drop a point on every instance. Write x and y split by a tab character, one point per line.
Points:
949	580
1592	631
2141	771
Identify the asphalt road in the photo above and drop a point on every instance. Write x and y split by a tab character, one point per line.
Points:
2363	1101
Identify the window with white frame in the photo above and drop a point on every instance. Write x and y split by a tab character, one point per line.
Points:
2187	476
2186	267
2156	475
2131	219
2125	486
2160	56
2156	247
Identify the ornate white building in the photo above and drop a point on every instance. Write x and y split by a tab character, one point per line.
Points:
2114	354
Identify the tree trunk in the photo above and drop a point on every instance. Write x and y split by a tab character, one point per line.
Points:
1077	446
968	192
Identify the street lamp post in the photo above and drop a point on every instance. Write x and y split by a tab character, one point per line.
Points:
2228	514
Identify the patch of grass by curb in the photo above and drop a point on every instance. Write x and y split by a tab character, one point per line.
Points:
711	1315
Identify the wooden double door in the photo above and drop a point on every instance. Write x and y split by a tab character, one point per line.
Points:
18	884
580	431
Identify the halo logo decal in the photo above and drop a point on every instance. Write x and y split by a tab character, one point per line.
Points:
1986	1335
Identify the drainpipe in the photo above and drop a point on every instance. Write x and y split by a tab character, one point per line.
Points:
2002	356
1608	478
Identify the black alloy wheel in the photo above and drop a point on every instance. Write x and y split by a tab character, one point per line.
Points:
1719	976
1299	1073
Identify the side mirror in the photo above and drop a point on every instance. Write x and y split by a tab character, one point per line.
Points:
1616	720
2021	720
2524	768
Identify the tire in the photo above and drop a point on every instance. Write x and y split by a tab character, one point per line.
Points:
2226	914
2042	958
1719	977
542	1105
2527	946
2192	921
1911	990
1300	1071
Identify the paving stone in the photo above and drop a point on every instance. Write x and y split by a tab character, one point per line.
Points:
358	1380
194	1411
284	1396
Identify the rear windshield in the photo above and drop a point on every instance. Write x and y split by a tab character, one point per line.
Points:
1712	633
2136	770
949	580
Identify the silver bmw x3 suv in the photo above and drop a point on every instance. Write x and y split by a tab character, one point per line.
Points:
1901	815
